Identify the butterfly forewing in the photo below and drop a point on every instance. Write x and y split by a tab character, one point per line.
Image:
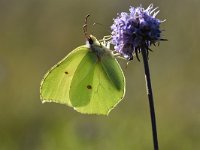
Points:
82	82
94	89
56	84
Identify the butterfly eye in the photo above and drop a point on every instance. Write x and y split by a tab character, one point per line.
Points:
90	40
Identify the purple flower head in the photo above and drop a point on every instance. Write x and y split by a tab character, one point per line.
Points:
135	30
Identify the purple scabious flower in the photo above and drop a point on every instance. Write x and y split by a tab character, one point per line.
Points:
136	30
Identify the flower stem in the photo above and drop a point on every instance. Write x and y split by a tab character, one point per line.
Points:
150	96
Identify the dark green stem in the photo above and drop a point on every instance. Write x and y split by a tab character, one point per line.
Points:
150	96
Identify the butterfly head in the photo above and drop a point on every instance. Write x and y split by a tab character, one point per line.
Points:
92	41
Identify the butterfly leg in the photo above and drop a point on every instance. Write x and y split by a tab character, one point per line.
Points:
106	41
106	38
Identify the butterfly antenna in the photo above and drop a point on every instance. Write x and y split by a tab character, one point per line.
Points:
85	27
96	23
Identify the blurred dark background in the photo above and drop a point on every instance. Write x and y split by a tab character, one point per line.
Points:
36	34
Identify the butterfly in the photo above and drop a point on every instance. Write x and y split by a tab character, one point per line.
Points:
89	78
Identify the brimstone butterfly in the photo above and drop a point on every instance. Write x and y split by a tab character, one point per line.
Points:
89	79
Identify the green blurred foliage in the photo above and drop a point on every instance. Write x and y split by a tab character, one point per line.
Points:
36	34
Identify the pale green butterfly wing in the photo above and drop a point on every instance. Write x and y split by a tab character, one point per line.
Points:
97	85
56	84
88	79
